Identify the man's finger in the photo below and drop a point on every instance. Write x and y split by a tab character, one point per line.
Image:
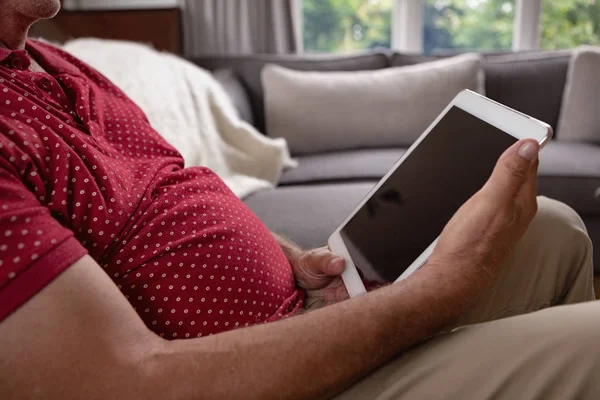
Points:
512	169
335	292
326	262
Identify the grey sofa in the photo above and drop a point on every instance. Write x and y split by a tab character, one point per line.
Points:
312	200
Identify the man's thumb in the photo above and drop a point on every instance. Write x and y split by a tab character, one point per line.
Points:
513	167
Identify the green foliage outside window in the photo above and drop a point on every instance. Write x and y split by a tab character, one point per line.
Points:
346	25
568	23
350	25
468	24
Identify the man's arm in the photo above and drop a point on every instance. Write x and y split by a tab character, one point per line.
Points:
80	338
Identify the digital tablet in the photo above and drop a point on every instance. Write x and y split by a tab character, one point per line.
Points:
394	229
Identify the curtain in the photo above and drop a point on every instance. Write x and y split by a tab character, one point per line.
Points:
219	27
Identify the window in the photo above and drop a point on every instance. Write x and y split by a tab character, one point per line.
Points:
468	25
568	23
346	25
438	26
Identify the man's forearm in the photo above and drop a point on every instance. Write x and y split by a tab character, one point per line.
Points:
320	353
80	338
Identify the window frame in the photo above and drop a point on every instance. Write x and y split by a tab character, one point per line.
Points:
526	34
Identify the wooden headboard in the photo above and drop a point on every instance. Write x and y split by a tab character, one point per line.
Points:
160	27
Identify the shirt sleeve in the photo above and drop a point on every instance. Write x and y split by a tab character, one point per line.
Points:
34	247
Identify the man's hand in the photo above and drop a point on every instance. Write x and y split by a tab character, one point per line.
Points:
486	229
317	269
320	269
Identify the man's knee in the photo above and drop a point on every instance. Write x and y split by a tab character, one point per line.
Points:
558	228
574	325
558	242
558	216
567	334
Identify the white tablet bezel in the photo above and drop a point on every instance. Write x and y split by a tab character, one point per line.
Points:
510	121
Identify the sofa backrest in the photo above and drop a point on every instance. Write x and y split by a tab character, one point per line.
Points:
249	68
530	82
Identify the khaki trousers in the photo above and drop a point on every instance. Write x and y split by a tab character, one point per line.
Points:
507	348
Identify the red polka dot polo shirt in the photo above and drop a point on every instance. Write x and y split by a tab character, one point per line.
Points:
82	171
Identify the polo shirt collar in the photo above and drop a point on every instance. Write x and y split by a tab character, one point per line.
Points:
51	62
4	53
17	59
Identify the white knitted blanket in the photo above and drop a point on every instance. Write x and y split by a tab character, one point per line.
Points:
187	106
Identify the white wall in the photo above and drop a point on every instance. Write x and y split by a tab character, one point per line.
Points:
118	4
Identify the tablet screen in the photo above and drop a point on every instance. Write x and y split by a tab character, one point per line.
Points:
409	211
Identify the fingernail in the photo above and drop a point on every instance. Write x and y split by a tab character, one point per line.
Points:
529	151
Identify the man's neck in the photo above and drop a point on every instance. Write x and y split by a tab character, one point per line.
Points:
13	31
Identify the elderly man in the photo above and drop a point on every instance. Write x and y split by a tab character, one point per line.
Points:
125	275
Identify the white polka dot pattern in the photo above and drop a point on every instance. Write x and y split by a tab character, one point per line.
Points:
77	156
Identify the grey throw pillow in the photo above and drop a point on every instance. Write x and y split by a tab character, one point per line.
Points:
329	111
236	92
579	115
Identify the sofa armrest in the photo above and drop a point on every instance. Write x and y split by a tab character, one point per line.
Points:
233	87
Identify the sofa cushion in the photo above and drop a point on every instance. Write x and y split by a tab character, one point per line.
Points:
249	68
557	159
569	172
355	165
579	117
570	160
308	215
530	82
327	111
